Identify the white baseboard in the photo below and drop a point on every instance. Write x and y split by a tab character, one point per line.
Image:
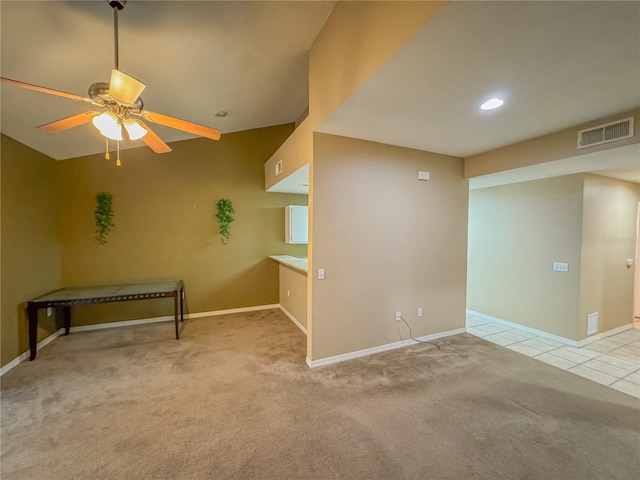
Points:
231	310
124	323
293	319
542	333
600	336
170	318
382	348
127	323
24	356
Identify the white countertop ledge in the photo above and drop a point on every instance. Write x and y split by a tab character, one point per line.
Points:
301	264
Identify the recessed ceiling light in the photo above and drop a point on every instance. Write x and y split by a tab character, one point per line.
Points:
491	104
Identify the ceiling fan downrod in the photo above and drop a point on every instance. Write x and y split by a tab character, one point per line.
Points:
116	5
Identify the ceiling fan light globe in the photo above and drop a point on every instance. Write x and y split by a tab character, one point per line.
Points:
105	121
115	134
107	124
134	129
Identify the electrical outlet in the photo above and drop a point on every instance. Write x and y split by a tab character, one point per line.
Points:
420	311
398	316
288	293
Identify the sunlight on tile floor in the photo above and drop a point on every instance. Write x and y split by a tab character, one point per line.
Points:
613	361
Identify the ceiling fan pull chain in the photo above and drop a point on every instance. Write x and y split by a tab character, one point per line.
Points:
118	153
106	148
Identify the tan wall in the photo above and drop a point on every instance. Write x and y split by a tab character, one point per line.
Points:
296	152
608	240
516	232
357	39
387	242
30	253
293	293
166	227
547	148
636	294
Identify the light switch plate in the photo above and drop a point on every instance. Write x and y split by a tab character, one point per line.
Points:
321	274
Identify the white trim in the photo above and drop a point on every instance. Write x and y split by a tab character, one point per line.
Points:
542	333
127	323
600	336
124	323
231	310
168	318
293	319
379	349
24	356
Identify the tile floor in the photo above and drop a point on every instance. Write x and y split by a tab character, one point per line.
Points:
613	361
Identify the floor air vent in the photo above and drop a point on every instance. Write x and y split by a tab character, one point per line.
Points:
609	132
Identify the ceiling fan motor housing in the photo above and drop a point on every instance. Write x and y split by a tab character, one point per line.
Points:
99	94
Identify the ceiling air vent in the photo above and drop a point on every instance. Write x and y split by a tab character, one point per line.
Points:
609	132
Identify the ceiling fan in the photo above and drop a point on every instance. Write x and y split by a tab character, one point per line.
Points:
120	103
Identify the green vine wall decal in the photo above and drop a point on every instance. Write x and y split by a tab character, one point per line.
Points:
225	209
103	217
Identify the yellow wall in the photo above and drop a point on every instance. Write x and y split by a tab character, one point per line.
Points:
516	232
165	227
293	293
30	253
387	242
609	238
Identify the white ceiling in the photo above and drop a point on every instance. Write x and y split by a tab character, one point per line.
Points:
196	58
557	64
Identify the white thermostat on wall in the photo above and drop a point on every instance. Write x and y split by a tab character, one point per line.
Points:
424	176
560	267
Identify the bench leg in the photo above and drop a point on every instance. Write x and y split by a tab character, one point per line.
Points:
66	316
181	304
32	313
175	314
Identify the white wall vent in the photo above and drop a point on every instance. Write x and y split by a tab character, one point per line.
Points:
592	323
609	132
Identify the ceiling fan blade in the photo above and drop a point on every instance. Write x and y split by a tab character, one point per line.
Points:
183	125
50	91
69	122
124	88
153	141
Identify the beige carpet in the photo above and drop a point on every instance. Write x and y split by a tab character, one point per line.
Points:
233	399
